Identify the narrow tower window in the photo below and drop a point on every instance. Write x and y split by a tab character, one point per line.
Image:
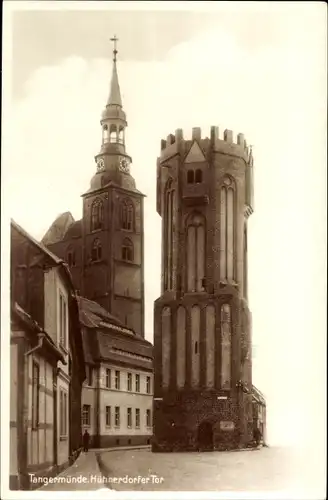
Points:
127	250
198	176
195	252
227	229
190	176
96	250
168	235
226	346
97	215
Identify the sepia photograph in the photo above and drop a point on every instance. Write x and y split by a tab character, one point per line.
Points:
163	256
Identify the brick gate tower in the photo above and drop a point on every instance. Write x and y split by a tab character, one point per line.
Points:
202	336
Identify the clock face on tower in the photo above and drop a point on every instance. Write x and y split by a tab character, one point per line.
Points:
100	165
124	166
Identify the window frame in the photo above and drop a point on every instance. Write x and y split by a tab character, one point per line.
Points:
137	383
129	418
117	380
108	378
137	415
148	418
117	417
127	250
129	381
148	385
108	413
86	412
97	215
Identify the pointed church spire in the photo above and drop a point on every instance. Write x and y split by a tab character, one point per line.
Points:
115	93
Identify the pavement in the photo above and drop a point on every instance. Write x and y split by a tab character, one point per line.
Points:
260	471
84	474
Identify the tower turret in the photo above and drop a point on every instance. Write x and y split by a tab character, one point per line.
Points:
202	334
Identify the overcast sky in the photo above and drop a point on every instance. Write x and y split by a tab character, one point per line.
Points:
254	68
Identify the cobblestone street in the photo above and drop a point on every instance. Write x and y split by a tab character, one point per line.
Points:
266	469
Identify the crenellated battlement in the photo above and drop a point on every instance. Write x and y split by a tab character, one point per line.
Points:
174	143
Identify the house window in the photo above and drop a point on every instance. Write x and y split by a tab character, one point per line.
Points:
108	378
127	250
117	379
190	176
63	408
89	373
71	258
86	415
148	418
148	385
137	418
129	415
127	215
96	251
137	383
117	416
97	215
108	416
35	394
198	176
129	381
62	321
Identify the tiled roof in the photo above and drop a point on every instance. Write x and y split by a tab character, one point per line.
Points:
74	230
92	314
58	228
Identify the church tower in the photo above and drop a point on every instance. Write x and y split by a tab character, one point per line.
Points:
202	324
112	233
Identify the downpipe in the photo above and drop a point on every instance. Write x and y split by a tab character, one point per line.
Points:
38	346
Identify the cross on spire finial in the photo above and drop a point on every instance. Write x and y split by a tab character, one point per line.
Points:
115	40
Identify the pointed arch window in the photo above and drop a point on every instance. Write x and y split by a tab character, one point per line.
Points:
195	252
96	251
127	250
127	215
169	202
97	215
227	229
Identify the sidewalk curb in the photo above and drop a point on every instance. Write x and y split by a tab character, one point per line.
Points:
103	468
